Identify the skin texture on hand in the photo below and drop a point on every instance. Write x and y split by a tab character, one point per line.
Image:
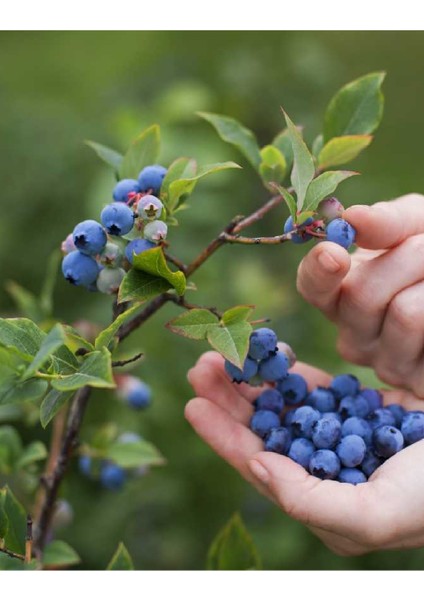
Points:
387	512
376	295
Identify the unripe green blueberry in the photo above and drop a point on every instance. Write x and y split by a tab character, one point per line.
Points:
156	231
112	255
149	207
109	280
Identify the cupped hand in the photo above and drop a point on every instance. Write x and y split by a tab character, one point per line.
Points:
376	295
387	512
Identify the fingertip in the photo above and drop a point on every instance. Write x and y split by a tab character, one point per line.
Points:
192	408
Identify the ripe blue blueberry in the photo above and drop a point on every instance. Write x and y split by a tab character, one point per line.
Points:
380	416
398	412
136	247
351	450
330	209
263	342
250	368
79	269
357	426
353	476
370	463
293	389
109	280
353	407
341	232
149	207
155	231
89	237
387	441
263	421
125	187
373	397
288	418
344	385
270	400
304	420
288	351
336	415
326	432
301	451
112	476
274	368
278	440
322	399
84	464
117	218
150	178
413	427
324	464
301	237
139	395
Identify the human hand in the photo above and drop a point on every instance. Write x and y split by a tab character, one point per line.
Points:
387	512
375	296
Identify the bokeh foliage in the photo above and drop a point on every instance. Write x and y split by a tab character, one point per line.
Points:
60	88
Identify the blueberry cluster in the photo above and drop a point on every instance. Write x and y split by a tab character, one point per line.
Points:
340	432
97	255
328	224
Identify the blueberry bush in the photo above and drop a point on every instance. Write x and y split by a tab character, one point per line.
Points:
51	368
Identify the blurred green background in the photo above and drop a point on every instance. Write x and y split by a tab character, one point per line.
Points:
59	88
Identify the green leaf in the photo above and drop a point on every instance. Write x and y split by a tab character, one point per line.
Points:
46	295
8	563
121	560
317	145
134	454
303	163
59	554
95	371
51	405
49	345
21	334
13	390
231	341
182	168
341	150
273	165
138	286
153	261
109	156
10	449
104	436
237	314
106	336
193	324
25	300
74	340
238	135
283	142
34	452
4	521
324	185
356	109
14	539
143	151
63	361
233	549
289	200
184	187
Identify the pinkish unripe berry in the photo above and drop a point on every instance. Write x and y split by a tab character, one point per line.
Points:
330	209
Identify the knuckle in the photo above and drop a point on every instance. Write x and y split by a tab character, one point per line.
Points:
356	296
350	352
404	312
386	373
414	245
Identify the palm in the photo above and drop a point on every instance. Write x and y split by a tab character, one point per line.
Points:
383	513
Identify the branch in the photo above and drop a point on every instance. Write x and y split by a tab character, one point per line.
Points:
12	554
126	361
239	239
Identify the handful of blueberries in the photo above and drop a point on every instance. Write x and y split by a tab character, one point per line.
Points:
342	432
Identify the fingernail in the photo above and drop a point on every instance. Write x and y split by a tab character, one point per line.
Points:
259	471
328	263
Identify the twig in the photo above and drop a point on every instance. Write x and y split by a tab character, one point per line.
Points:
126	361
239	239
28	540
125	330
176	261
181	301
258	214
12	554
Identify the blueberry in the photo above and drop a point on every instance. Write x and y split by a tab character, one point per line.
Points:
353	476
353	407
270	400
79	269
344	385
109	280
288	418
112	476
89	237
149	207
336	415
324	464
373	397
341	232
278	440
125	187
387	441
370	463
250	368
138	394
304	420
129	437
117	218
288	351
68	245
302	236
398	412
150	178
274	368
263	421
84	464
137	247
351	450
293	389
322	399
413	427
326	432
111	255
330	209
380	416
155	231
263	342
301	451
357	426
